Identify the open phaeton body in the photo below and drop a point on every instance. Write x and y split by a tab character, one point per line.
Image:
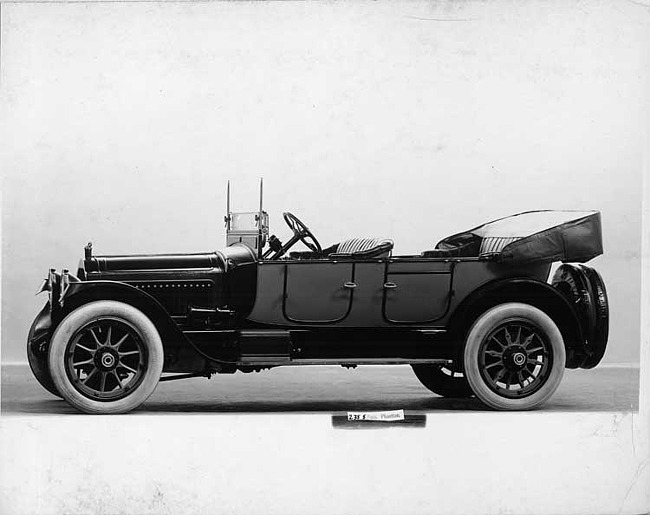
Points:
478	314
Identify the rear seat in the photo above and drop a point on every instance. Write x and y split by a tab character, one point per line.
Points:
494	245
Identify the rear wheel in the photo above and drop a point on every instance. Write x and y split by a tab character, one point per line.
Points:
106	357
514	357
443	380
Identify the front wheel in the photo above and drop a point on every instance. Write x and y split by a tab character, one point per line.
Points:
514	357
106	357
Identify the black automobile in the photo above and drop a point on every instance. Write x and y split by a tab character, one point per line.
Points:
477	314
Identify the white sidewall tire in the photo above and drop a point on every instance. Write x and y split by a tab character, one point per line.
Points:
86	314
487	322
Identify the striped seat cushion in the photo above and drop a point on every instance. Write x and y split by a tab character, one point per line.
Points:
494	244
364	247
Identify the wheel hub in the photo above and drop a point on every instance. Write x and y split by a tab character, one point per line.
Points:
106	359
515	358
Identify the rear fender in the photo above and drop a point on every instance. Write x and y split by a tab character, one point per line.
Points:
535	293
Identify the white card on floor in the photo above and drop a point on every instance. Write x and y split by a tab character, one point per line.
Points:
382	416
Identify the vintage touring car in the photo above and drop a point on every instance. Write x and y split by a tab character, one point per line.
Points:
478	314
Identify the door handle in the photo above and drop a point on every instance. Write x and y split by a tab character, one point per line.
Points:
350	285
390	285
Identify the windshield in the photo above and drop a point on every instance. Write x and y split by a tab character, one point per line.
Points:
244	221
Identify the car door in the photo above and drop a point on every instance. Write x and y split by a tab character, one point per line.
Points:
318	291
416	291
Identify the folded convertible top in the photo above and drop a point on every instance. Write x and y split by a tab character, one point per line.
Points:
535	237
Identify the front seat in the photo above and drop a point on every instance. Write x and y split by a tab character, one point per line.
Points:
355	248
361	248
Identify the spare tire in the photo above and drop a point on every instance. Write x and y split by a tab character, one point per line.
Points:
600	331
585	289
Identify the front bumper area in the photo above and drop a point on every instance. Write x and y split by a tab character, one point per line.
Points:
38	342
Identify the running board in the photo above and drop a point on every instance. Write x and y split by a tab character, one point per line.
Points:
372	361
274	347
266	360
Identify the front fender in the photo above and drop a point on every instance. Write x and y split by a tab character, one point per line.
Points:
82	293
184	355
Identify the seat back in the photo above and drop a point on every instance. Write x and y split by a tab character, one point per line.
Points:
363	248
495	244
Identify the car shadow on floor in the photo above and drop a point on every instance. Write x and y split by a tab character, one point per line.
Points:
54	406
331	407
611	390
431	404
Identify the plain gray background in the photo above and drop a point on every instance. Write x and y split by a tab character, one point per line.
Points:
409	120
413	120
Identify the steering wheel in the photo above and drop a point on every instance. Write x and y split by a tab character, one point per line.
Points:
302	233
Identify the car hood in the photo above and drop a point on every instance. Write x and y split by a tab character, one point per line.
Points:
153	262
227	259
